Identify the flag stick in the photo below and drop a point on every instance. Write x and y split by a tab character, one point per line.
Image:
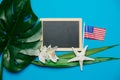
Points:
83	34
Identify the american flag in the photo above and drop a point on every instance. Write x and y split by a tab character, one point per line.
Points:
94	33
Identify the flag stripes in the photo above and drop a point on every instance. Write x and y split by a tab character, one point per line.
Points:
95	34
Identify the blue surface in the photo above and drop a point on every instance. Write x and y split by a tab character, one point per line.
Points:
101	13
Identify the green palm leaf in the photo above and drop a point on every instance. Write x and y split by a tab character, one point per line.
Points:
19	34
89	52
62	63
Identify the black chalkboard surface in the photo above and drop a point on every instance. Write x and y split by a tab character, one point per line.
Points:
64	33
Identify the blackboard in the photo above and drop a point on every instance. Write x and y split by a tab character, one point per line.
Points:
64	33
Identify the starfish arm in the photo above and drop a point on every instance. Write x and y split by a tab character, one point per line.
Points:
87	58
81	65
56	57
84	50
73	59
54	48
41	58
44	49
49	46
51	50
42	54
52	57
75	51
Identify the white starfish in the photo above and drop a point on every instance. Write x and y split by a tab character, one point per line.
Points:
47	54
80	57
51	53
42	55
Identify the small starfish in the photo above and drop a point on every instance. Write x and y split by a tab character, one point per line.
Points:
42	55
51	53
80	57
47	54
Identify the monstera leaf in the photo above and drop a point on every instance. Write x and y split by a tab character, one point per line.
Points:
19	34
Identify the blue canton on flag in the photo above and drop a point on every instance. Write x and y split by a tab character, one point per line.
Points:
89	29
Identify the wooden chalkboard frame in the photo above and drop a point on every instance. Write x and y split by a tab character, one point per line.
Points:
64	19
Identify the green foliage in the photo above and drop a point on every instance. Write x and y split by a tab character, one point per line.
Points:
62	63
20	37
19	34
89	52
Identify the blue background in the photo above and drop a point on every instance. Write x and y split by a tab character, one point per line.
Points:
101	13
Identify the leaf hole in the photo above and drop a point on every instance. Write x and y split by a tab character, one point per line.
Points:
27	18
